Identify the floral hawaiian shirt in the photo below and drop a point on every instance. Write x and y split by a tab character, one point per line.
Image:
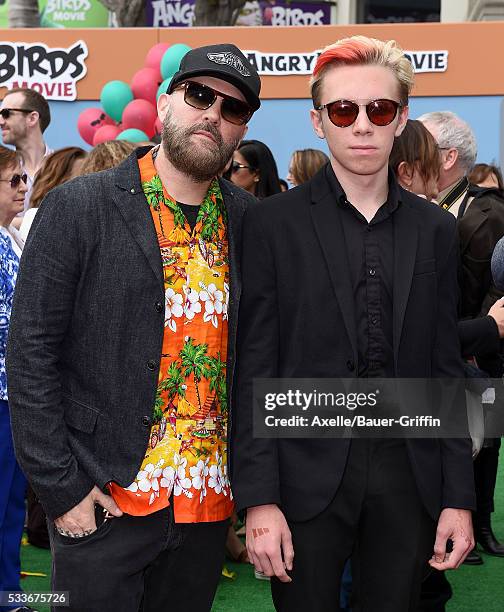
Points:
9	264
186	454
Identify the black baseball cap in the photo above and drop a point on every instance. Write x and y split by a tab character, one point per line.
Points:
224	62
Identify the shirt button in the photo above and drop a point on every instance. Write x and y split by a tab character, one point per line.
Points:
146	421
374	320
132	190
372	271
350	365
159	307
151	364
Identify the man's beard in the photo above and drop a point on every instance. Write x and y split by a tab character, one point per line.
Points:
200	162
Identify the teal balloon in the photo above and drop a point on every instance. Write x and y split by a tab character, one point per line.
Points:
170	62
132	135
163	87
114	96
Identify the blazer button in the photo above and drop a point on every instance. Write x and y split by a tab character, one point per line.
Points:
145	421
151	364
159	307
350	365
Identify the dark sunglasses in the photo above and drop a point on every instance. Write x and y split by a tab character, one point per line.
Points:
235	166
15	180
343	113
202	97
6	112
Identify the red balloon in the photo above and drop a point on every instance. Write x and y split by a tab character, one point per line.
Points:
106	133
145	84
154	56
158	126
140	114
89	121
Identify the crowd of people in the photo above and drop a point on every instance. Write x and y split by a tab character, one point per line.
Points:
145	287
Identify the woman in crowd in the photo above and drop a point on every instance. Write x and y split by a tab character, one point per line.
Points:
107	155
254	169
304	164
486	175
415	160
12	492
57	168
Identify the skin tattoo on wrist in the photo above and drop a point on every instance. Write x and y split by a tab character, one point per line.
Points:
260	531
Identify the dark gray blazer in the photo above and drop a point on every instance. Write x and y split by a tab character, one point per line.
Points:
86	333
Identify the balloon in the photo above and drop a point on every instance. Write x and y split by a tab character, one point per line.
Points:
154	57
105	133
145	84
158	126
140	114
171	59
114	97
133	135
163	87
89	121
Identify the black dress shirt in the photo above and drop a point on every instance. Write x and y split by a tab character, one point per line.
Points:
370	253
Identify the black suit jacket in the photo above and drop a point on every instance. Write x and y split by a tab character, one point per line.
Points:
297	320
86	333
481	227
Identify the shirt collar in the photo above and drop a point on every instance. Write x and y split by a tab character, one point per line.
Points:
390	205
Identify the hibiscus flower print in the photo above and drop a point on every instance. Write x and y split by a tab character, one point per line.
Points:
213	299
173	308
199	472
192	305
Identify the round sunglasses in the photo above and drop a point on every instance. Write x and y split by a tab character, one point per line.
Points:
343	113
202	97
15	180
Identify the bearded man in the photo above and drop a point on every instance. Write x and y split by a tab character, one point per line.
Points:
121	353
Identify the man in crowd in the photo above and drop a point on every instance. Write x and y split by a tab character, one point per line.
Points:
123	329
24	117
346	276
480	214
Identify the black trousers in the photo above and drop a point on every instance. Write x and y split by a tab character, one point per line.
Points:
140	563
377	519
485	477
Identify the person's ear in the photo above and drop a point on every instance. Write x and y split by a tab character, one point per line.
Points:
449	159
316	119
163	104
405	174
403	118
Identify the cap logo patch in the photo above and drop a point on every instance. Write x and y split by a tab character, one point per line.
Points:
230	59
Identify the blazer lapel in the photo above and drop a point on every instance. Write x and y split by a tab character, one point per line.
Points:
132	204
405	248
329	230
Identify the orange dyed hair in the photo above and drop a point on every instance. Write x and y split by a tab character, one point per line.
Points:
364	51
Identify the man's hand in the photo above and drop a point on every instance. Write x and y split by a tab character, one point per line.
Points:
497	314
456	525
80	520
269	541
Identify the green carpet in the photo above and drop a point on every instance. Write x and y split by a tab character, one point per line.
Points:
476	588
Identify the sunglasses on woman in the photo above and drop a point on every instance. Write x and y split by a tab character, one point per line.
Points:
202	97
343	113
235	166
15	180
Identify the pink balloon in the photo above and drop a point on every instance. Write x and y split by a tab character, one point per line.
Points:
106	133
89	121
154	56
145	84
158	126
140	114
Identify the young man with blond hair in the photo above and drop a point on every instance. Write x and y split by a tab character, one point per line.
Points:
349	275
